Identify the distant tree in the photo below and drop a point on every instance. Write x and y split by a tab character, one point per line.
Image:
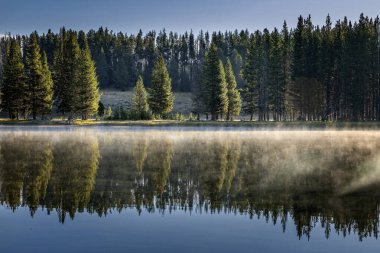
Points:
285	72
139	103
161	98
101	109
237	64
48	44
200	97
14	89
264	74
87	95
184	60
109	112
150	55
102	68
277	77
251	77
326	66
163	44
233	94
192	61
139	48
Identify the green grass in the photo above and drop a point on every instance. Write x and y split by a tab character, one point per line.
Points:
114	98
31	122
238	124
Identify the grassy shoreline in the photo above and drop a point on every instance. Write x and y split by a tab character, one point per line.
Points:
238	124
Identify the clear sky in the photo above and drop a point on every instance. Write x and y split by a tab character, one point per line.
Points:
24	16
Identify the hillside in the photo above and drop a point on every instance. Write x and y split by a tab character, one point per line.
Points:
114	98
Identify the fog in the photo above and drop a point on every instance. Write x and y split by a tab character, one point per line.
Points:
350	158
303	175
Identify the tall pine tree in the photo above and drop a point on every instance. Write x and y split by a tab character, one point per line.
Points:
139	103
233	95
46	101
214	81
251	77
14	89
66	73
161	97
39	86
87	95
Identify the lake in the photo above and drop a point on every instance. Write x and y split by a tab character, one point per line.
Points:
131	189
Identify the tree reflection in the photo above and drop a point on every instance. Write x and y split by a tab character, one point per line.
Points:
38	173
326	181
13	164
25	170
73	178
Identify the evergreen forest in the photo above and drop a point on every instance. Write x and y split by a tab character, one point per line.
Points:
308	73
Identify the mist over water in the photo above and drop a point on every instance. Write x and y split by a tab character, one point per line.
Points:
306	183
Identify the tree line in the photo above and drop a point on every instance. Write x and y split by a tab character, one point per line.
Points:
309	73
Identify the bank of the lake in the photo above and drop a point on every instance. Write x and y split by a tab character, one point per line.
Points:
340	125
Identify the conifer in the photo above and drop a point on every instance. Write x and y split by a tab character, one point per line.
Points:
215	87
161	97
67	73
139	101
234	100
47	88
14	90
87	95
38	78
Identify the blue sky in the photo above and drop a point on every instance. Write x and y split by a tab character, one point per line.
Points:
24	16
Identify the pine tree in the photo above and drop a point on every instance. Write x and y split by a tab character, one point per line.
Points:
120	67
48	43
214	82
299	62
67	73
264	76
150	56
35	75
326	67
139	101
139	45
200	96
276	89
102	68
234	101
251	77
130	61
46	88
14	90
161	97
87	95
285	73
237	64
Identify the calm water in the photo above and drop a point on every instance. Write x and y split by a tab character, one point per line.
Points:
165	190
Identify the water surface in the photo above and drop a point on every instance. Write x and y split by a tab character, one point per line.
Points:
73	189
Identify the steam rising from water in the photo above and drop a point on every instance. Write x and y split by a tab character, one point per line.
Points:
298	174
283	156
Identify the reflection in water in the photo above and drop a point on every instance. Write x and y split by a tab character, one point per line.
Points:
328	179
25	169
73	178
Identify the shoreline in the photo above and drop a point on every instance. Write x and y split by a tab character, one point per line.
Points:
286	125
